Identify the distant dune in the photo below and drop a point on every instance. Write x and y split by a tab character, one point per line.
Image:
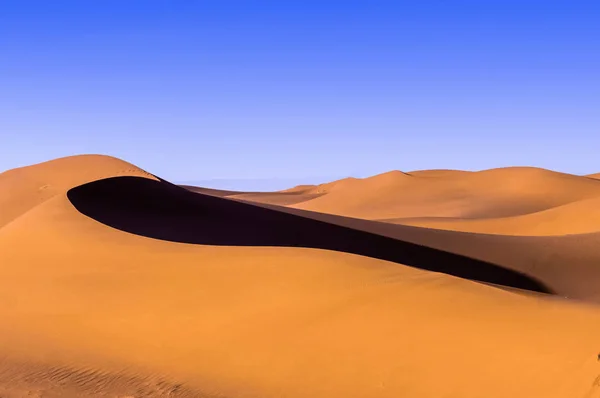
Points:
114	282
596	176
578	217
486	194
437	173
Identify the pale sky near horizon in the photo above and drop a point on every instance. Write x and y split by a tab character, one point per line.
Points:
301	91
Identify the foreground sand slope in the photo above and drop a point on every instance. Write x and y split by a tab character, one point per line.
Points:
486	194
90	310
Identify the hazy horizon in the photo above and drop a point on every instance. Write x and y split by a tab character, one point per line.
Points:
294	90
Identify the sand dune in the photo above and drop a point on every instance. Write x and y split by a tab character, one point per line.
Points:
573	218
282	198
566	265
125	285
24	188
277	198
595	176
437	173
487	194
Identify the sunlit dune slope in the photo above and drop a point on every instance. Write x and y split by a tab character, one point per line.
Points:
572	218
95	308
277	198
595	176
486	194
299	189
437	173
26	187
567	265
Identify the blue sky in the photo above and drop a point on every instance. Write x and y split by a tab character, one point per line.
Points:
286	92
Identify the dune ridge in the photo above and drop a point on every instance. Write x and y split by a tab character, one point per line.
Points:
486	194
29	186
578	217
110	302
595	176
163	211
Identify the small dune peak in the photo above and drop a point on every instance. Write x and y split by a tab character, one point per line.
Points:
525	173
337	184
391	174
388	178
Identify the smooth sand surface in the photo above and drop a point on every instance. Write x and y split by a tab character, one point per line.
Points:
437	173
596	176
118	284
486	194
27	187
578	217
287	197
565	265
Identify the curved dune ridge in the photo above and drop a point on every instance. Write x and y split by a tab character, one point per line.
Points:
163	211
282	198
121	284
578	217
26	187
595	176
511	201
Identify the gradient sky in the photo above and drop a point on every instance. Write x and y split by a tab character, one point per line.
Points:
300	91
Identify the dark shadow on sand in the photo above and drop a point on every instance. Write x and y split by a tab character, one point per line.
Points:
165	211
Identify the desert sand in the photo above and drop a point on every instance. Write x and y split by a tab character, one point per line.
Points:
115	283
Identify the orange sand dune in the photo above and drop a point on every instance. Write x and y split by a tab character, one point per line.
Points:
100	297
573	218
566	265
299	189
26	187
277	198
596	176
486	194
282	198
437	173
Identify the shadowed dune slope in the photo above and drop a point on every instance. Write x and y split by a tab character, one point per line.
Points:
164	211
567	265
487	194
573	218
